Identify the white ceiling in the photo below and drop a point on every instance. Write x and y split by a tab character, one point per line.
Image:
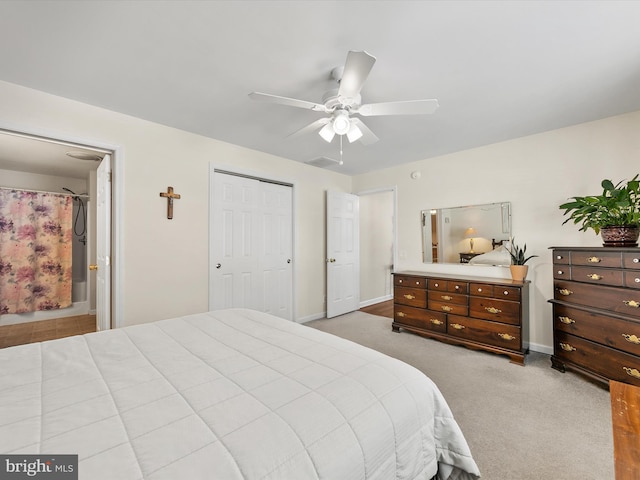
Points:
500	69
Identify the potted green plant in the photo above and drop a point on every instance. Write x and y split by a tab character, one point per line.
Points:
614	214
518	259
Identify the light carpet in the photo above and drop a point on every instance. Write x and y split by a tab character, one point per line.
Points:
521	423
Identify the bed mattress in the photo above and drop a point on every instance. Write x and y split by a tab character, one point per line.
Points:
229	394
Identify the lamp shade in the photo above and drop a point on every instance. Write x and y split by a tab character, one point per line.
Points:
470	233
327	133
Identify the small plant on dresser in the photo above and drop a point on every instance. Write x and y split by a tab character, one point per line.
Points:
518	260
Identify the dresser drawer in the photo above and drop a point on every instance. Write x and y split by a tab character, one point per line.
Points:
602	276
409	281
561	257
448	307
420	318
495	291
631	260
613	332
491	333
605	361
632	279
597	258
495	310
619	300
447	297
452	286
413	297
561	272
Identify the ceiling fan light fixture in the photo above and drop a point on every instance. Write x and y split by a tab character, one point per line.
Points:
354	133
341	123
327	133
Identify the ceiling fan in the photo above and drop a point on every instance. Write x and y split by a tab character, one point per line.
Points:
346	101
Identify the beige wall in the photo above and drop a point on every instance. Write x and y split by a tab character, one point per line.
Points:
166	261
535	173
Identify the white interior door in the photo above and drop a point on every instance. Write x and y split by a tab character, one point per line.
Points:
251	245
103	245
343	253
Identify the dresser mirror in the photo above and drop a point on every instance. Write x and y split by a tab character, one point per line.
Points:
463	234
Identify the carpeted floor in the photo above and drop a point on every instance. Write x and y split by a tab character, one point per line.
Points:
521	423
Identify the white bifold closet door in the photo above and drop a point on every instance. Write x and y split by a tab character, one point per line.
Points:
251	245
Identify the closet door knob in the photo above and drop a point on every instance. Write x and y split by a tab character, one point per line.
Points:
93	267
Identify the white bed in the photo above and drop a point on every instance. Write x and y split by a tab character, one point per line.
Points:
229	394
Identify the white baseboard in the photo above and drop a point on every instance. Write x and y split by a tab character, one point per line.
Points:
315	316
536	347
373	301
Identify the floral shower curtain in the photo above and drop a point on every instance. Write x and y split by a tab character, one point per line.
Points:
35	251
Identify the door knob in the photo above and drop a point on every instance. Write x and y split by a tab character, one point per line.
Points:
218	265
93	267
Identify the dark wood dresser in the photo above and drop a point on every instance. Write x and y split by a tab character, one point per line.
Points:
479	313
596	312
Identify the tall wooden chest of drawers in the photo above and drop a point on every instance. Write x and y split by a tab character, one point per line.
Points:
479	313
596	312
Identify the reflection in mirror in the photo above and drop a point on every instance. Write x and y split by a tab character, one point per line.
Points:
462	234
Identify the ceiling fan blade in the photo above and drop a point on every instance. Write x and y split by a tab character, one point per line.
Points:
368	137
356	71
410	107
310	128
292	102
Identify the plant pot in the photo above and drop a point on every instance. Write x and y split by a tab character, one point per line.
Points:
519	272
620	236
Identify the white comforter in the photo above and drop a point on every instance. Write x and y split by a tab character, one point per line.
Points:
231	394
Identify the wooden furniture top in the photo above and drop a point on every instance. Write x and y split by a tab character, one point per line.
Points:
625	416
466	278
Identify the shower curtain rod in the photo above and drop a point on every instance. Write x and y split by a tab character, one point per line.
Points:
43	191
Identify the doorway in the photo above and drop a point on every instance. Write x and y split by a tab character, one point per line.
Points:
377	245
34	162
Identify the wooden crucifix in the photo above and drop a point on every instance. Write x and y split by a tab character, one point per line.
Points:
169	196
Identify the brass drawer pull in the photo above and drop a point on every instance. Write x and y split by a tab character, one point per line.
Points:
400	314
493	310
457	326
447	308
566	320
631	303
594	260
564	291
435	321
594	276
506	336
408	296
632	372
567	348
446	297
560	272
631	338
